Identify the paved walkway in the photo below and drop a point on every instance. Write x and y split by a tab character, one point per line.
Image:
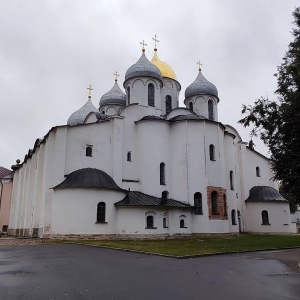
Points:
65	271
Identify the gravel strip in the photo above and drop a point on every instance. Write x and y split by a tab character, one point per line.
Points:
12	241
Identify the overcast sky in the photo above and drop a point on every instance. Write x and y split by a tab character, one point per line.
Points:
50	51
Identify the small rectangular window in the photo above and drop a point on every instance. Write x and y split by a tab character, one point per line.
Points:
129	156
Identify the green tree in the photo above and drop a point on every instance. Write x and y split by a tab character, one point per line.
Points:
277	122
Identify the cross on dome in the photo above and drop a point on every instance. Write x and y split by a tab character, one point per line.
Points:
144	44
90	91
199	64
155	41
116	76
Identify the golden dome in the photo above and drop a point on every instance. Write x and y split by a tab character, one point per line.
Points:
165	69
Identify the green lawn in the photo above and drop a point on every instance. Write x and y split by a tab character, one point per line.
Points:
200	246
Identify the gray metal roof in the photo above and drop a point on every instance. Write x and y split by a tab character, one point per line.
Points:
201	86
114	96
264	194
88	178
79	116
4	172
187	117
143	68
140	199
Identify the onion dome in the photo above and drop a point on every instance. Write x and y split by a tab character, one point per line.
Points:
264	193
114	96
165	69
201	86
143	68
79	116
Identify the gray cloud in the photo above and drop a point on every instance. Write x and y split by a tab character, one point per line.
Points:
52	50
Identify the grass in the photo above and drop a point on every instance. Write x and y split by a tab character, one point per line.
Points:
201	246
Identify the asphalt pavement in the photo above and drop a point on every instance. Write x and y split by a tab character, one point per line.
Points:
65	271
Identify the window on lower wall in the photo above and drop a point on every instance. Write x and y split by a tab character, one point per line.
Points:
150	222
214	203
182	219
165	220
89	150
101	207
198	204
265	218
212	152
129	156
233	217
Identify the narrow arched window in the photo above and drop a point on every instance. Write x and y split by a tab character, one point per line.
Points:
101	212
168	104
103	111
162	174
285	218
165	222
150	221
265	218
128	94
150	94
214	203
129	156
210	110
212	152
231	180
191	106
182	223
198	210
233	217
225	205
89	151
165	194
257	172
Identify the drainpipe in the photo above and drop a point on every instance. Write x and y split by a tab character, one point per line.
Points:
1	192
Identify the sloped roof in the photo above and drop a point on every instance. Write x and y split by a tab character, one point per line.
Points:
4	172
140	199
88	178
264	194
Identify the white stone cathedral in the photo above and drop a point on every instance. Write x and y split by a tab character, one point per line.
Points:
140	166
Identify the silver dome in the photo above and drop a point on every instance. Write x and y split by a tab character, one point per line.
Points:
114	96
201	86
143	67
79	116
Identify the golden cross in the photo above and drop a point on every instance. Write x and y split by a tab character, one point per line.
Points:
116	76
155	41
199	64
90	91
144	44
